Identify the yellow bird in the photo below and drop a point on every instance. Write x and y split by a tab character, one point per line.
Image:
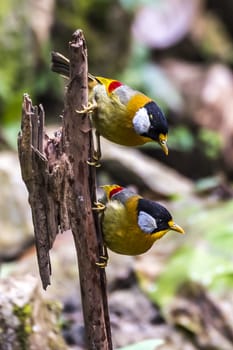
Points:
120	114
130	223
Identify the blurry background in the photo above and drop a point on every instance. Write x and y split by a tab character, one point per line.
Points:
180	53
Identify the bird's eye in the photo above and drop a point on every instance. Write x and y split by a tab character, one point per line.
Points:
151	117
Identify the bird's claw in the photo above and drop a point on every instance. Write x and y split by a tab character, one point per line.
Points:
96	158
98	206
91	106
94	163
102	264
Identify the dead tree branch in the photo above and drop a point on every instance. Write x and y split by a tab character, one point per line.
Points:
62	190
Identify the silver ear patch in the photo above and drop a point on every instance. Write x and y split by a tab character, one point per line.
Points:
141	121
146	222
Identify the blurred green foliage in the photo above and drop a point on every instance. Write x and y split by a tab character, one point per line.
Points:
150	79
215	41
24	65
181	138
211	141
107	31
25	60
206	255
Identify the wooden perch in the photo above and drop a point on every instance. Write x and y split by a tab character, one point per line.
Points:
62	192
35	173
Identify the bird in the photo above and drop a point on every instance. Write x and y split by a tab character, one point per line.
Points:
119	113
130	223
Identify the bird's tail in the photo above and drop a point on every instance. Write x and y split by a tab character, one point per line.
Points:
61	65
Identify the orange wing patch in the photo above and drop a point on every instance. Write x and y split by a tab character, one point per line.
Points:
137	101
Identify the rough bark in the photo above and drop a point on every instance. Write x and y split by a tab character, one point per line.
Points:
62	192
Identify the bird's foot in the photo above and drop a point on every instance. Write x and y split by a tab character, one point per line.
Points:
98	206
91	106
102	264
103	259
94	163
96	158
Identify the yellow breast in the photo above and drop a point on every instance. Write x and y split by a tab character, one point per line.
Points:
121	231
113	119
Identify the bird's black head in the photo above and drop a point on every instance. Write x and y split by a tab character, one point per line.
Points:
154	218
149	121
157	120
160	214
